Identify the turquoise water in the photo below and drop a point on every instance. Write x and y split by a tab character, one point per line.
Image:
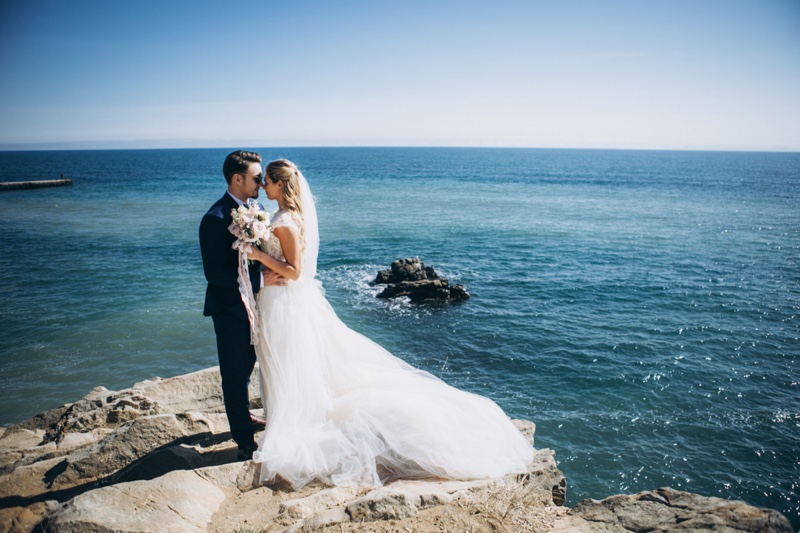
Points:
640	307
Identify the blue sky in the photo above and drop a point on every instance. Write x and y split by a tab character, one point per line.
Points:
699	74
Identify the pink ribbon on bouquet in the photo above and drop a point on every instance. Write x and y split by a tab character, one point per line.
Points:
246	290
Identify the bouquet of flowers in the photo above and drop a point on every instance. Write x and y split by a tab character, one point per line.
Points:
250	224
250	227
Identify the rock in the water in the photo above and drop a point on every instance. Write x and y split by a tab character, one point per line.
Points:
411	269
458	293
411	278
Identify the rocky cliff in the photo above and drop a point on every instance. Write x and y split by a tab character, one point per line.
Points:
158	457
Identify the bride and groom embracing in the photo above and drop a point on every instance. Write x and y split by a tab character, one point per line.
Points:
339	408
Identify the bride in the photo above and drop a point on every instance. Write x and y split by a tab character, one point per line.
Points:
340	409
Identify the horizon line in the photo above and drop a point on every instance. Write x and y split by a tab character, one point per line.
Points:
67	146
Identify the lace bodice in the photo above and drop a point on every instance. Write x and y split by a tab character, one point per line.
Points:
273	244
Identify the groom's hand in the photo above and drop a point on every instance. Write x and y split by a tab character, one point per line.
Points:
273	279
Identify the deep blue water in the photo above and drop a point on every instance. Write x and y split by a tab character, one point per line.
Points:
640	307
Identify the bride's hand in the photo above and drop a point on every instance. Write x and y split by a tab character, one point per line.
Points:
256	255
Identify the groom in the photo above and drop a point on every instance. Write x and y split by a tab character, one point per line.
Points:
242	171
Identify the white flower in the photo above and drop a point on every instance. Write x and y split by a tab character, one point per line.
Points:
260	229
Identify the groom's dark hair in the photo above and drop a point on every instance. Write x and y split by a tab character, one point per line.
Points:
237	163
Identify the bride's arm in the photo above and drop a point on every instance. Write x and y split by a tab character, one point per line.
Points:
290	243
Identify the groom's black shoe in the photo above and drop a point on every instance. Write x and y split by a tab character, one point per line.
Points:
246	453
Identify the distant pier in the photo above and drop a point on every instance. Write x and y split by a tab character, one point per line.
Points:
11	185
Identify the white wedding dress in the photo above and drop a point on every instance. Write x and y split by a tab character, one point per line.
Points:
340	409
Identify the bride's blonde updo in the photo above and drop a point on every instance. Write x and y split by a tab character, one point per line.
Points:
287	172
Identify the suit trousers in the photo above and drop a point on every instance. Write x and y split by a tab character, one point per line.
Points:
237	358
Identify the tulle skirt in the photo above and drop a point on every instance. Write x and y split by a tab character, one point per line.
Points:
341	409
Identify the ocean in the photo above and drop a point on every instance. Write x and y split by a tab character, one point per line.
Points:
641	307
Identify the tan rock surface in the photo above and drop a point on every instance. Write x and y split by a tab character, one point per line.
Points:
158	457
666	509
179	501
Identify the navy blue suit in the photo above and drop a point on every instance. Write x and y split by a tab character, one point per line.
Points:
224	305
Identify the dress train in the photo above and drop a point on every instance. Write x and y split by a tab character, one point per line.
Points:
341	409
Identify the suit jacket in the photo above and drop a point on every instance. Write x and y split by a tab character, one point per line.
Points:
221	261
